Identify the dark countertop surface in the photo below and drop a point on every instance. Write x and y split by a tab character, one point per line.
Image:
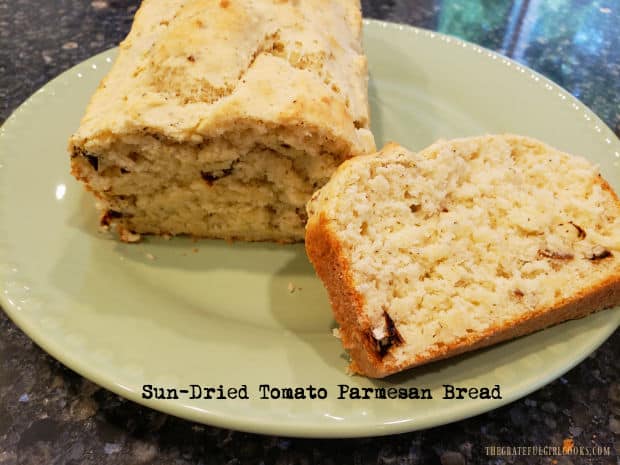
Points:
49	414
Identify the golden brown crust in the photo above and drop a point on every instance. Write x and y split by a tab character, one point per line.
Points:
167	81
331	265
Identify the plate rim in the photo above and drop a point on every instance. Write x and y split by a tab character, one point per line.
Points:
312	430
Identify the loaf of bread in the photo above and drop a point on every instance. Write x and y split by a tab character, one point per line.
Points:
465	244
220	118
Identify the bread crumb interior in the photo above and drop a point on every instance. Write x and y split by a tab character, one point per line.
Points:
469	235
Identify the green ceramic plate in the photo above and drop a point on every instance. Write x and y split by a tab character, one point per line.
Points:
176	313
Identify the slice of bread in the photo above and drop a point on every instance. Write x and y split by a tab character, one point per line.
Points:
221	118
468	243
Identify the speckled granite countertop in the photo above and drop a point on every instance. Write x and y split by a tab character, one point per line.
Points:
48	414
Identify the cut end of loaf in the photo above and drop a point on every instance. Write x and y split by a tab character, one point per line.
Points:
462	245
250	184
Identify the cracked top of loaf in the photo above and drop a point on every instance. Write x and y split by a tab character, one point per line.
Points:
195	69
